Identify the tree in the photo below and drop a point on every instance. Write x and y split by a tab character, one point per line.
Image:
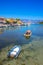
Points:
41	22
17	19
7	22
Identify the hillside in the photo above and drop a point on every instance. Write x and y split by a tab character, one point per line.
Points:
41	22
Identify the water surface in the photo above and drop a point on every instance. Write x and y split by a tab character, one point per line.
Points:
15	35
32	48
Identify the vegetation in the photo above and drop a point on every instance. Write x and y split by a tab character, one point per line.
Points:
14	21
17	19
41	22
7	22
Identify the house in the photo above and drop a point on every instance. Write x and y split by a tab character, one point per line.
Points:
2	20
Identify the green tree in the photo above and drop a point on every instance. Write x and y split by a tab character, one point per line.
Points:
17	19
7	22
41	22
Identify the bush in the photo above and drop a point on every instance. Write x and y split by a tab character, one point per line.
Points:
7	22
17	19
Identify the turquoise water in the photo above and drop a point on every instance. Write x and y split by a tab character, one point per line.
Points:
15	35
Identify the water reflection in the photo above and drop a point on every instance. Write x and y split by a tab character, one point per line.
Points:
1	30
15	35
32	48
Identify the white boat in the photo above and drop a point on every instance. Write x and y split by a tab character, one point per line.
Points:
14	52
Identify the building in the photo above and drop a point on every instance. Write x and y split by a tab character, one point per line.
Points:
2	20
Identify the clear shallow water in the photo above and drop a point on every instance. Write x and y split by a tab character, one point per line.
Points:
15	35
32	48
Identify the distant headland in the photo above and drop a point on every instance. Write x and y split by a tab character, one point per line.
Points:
12	21
17	21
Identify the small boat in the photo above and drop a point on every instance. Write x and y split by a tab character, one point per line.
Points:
14	52
28	34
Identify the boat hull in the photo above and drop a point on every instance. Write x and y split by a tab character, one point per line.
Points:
27	35
9	55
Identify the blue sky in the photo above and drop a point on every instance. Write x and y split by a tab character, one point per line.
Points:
24	9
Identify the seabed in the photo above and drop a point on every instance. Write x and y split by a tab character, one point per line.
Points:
31	54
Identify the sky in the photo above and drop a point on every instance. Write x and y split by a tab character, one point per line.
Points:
23	9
